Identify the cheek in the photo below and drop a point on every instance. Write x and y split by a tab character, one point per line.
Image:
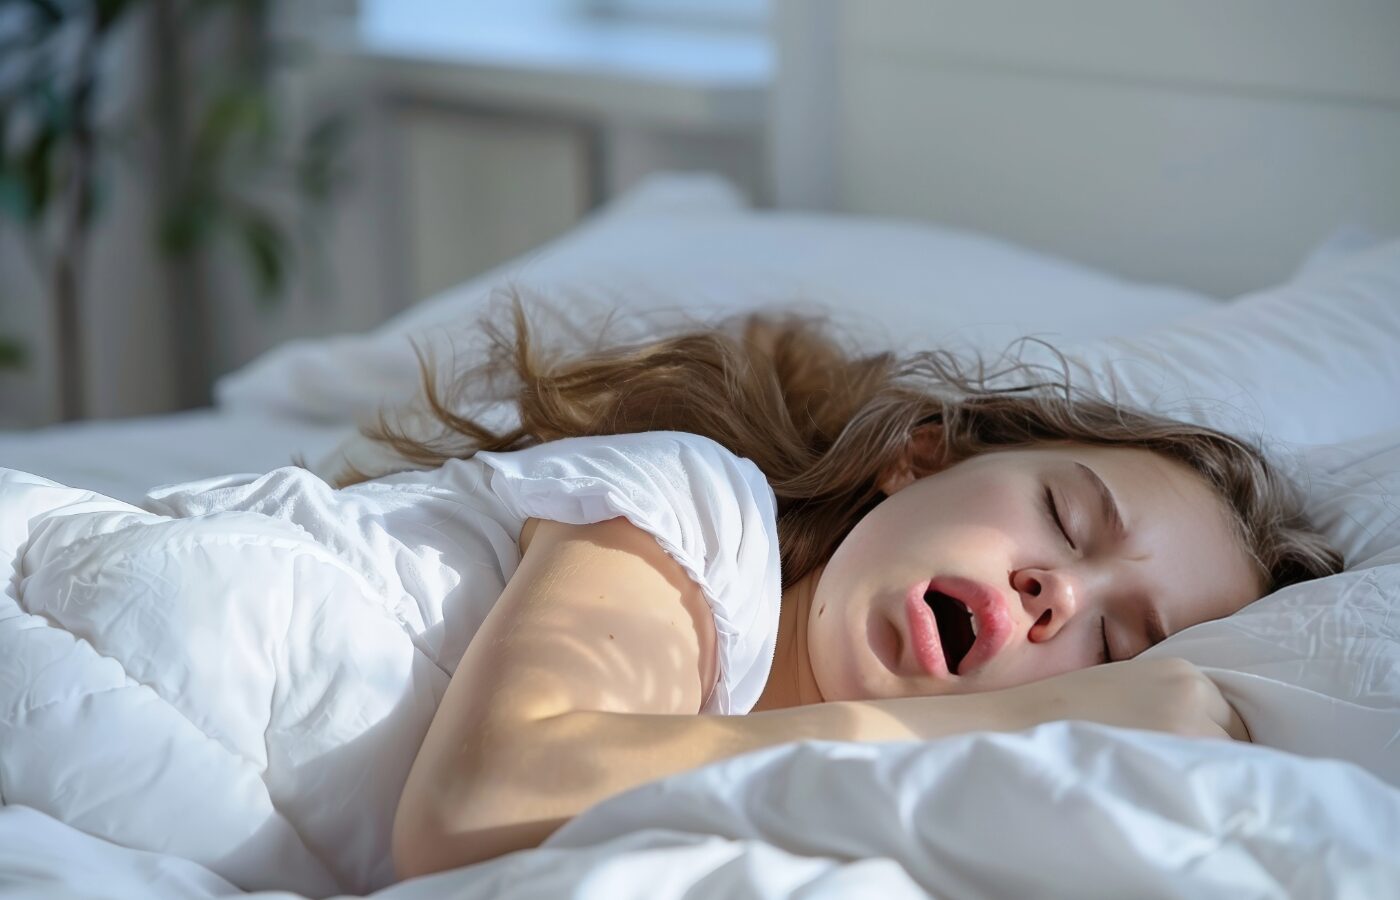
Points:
835	638
934	511
1049	662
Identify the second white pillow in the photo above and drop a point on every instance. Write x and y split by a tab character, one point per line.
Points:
1314	361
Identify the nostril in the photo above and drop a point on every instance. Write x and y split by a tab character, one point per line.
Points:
1044	619
1023	582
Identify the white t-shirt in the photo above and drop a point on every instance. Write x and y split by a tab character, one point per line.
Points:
445	541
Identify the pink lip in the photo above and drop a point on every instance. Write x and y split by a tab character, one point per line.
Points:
928	649
989	611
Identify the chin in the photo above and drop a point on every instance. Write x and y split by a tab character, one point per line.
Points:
839	686
871	688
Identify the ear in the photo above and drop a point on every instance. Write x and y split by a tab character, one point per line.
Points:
923	455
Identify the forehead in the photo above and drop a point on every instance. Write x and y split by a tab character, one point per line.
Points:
1181	534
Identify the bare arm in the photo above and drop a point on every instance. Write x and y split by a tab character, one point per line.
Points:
545	772
586	680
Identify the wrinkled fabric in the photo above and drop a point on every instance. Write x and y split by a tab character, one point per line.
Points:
240	673
1064	810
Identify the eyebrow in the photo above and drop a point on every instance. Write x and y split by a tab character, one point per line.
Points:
1152	619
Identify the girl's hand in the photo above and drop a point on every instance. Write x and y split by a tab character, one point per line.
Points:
1162	694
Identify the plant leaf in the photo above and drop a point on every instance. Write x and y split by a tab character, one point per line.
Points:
318	171
48	10
36	172
91	197
57	112
265	244
14	197
239	110
12	353
186	225
109	12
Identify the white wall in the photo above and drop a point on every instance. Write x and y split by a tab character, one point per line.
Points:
1205	143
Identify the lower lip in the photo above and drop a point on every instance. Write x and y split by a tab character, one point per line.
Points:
928	649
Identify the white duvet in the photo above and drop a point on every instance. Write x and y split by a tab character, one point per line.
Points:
221	688
1063	810
198	778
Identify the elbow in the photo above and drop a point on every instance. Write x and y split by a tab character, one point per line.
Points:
423	843
468	813
409	846
418	848
418	844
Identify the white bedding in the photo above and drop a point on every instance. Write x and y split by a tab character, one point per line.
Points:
240	691
126	458
1063	810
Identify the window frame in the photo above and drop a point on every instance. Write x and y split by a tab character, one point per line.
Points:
748	15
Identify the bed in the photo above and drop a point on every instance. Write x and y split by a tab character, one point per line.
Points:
1293	337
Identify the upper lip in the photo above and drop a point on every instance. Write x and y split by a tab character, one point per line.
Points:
990	612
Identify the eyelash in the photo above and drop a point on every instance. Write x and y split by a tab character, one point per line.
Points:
1054	513
1106	657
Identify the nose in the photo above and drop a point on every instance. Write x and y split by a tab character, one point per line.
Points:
1048	596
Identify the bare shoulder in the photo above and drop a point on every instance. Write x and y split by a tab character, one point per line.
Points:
611	615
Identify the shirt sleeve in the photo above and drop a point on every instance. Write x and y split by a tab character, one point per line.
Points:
711	511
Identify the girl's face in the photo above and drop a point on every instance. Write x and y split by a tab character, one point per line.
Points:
1018	565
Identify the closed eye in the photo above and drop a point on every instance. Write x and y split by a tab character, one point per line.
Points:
1053	511
1106	656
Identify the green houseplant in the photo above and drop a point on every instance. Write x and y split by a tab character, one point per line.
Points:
203	118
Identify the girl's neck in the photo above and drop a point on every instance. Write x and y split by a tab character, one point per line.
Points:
791	683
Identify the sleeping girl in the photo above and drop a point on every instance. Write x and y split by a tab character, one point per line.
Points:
590	569
737	536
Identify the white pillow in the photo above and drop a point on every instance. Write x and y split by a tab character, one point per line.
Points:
1313	361
1315	668
1337	248
686	243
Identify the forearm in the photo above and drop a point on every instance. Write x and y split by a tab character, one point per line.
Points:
517	791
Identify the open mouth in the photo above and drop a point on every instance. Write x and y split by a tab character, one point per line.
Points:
957	631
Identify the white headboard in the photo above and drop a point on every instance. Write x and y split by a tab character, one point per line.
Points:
1206	143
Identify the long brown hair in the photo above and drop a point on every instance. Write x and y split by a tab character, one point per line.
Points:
823	423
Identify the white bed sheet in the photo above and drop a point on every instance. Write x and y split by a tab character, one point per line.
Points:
127	457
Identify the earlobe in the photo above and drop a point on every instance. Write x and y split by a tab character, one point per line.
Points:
897	480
